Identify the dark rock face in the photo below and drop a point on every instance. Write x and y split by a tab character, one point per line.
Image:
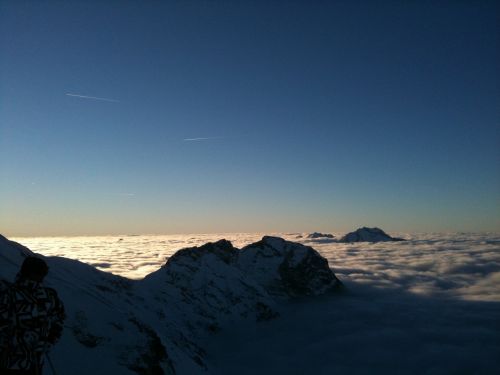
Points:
287	269
221	249
152	355
310	276
82	334
368	235
316	235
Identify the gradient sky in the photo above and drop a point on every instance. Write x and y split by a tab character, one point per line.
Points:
223	116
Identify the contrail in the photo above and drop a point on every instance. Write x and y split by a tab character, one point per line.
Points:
201	138
121	194
93	97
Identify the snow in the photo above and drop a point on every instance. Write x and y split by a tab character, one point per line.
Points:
426	305
158	323
101	332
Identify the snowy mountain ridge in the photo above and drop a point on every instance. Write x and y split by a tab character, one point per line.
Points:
158	324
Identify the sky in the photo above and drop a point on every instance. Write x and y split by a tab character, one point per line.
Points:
250	116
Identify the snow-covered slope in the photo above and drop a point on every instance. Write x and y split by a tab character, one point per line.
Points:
204	288
158	324
368	235
103	330
199	290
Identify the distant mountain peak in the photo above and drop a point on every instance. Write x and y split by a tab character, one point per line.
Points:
315	235
366	234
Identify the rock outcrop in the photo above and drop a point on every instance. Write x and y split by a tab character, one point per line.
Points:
368	235
317	235
206	284
287	269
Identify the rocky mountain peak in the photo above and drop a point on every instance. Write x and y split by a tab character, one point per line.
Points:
366	234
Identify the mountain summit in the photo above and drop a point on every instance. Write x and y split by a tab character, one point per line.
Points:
368	235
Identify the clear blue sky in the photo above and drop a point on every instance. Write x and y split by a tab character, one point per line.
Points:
319	115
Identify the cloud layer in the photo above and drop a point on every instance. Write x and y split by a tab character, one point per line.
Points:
464	266
428	306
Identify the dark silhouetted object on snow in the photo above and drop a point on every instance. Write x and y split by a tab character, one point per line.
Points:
31	320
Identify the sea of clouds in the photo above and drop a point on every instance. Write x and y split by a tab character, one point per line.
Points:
459	265
429	305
